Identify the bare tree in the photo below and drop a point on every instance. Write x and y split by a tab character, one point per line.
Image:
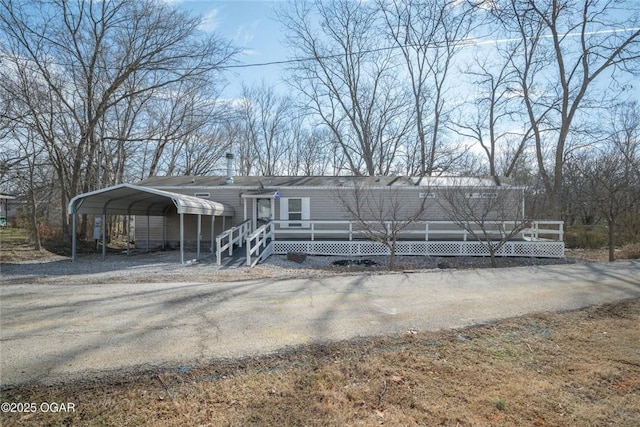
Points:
564	48
235	135
491	214
349	83
84	53
494	114
606	182
624	134
313	153
382	214
10	156
607	190
203	151
32	177
429	35
263	117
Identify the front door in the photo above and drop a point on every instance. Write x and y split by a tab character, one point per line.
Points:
263	212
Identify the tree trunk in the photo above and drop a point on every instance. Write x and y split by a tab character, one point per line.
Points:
35	230
492	254
612	240
83	234
392	255
66	228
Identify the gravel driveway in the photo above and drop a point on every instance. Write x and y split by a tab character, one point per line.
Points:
57	331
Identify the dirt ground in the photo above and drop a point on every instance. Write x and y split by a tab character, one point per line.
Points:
570	369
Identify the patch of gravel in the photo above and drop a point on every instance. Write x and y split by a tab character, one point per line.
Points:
166	267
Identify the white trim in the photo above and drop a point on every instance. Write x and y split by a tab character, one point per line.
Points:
286	222
265	195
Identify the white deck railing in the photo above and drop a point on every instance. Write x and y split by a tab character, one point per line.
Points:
445	238
257	240
544	230
228	238
421	230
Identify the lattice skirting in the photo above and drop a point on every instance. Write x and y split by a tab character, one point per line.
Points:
544	249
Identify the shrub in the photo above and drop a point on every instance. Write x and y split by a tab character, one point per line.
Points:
629	228
586	237
46	231
49	233
630	251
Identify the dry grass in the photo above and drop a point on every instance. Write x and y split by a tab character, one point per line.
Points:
15	246
630	251
573	369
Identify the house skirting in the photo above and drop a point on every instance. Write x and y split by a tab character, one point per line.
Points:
537	249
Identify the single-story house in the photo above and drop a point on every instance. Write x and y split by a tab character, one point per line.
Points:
325	215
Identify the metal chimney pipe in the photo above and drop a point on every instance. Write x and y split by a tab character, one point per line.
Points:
229	168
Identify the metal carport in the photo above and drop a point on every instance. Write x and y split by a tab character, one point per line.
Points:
129	199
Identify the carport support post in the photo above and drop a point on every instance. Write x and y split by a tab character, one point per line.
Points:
164	230
213	228
182	238
73	237
199	234
104	233
148	231
128	233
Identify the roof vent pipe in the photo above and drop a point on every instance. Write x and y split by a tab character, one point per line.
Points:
229	168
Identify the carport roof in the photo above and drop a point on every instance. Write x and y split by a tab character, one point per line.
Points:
132	199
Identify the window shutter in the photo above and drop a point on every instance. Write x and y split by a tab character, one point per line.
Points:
284	212
306	211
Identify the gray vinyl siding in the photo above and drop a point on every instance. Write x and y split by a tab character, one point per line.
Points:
325	204
154	234
229	197
173	231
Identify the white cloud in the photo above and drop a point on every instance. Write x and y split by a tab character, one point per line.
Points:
246	33
210	21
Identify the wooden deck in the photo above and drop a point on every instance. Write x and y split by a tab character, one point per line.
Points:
540	239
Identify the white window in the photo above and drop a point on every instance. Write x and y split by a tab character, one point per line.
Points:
295	211
203	195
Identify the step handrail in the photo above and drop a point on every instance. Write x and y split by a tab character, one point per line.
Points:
243	231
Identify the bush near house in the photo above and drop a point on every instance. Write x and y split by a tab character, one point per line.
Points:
585	237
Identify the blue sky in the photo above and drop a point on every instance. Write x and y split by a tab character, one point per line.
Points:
249	25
